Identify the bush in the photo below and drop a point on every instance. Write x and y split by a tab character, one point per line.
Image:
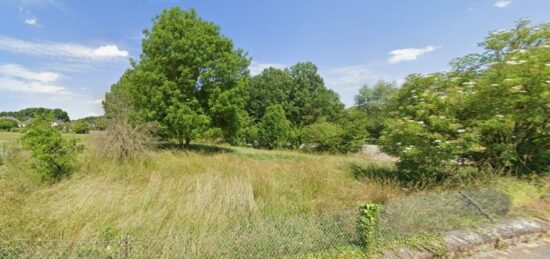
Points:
6	124
80	127
124	141
323	137
274	128
346	137
53	156
489	115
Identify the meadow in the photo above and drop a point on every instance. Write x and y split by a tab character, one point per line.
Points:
208	199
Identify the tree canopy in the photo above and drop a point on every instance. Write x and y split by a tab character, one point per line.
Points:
189	76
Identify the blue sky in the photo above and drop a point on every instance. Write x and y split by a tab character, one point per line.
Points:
66	54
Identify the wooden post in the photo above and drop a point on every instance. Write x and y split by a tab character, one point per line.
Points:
126	247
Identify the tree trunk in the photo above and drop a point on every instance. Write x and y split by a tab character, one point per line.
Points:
187	142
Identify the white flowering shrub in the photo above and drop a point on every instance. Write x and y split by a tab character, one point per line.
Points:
491	110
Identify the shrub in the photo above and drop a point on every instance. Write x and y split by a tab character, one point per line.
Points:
124	141
323	137
491	115
80	127
346	137
274	128
6	124
53	156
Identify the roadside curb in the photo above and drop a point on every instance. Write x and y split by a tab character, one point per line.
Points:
465	242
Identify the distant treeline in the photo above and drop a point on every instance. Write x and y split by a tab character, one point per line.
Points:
30	113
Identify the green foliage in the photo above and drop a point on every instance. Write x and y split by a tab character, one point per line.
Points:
80	127
30	113
323	137
371	102
491	115
311	99
272	86
301	92
6	124
95	122
189	77
186	124
274	128
347	136
369	218
53	156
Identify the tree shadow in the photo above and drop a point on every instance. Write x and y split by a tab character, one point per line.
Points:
196	148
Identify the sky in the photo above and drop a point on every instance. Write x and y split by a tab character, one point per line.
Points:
66	54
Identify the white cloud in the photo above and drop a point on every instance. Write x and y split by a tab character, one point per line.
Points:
32	21
502	4
15	78
409	54
257	68
348	76
98	101
61	50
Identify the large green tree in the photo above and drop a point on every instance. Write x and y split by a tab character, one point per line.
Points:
271	86
310	99
189	77
492	110
301	92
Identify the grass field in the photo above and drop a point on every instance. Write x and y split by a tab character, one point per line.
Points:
194	202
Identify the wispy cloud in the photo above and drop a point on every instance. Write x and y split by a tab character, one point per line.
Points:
32	21
61	50
349	76
502	4
98	101
257	67
15	78
33	4
408	54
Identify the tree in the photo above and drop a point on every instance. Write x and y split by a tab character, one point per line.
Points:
30	113
494	115
309	99
373	98
274	127
371	101
53	156
190	76
126	136
271	86
301	92
7	123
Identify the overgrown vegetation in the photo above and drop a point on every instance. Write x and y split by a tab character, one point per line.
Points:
456	134
491	111
53	156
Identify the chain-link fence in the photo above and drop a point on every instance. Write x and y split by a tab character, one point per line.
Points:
295	236
291	236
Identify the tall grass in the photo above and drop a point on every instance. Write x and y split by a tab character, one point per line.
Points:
194	201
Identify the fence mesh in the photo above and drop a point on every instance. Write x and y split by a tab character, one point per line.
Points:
296	236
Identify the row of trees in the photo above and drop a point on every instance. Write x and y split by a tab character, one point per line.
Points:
490	110
30	113
191	82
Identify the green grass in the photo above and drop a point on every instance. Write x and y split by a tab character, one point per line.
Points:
272	198
208	202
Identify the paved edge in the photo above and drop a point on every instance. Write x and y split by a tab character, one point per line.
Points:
465	242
